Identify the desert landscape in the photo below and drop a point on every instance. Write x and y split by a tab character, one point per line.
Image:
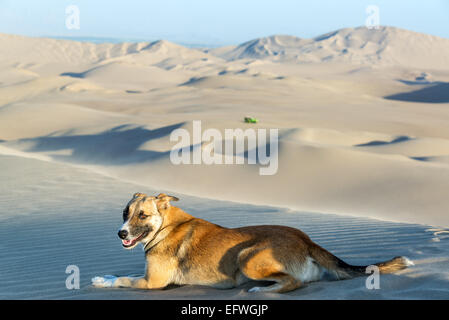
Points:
363	119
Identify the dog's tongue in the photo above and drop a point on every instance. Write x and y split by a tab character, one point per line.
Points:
127	242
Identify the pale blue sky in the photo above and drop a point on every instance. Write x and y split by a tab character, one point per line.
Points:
215	22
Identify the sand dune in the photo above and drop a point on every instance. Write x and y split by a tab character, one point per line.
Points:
42	119
385	183
344	148
385	46
128	77
34	50
363	133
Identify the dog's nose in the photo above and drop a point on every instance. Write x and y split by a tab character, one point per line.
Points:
122	234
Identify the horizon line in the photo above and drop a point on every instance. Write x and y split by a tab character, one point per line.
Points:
198	44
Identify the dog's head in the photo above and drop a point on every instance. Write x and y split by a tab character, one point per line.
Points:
142	218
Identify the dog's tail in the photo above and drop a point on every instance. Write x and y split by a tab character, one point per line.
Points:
343	270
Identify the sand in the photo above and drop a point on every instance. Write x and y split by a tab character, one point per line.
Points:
363	153
59	215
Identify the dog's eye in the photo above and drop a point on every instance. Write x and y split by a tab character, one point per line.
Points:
142	215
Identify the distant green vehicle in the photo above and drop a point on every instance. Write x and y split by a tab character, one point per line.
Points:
251	120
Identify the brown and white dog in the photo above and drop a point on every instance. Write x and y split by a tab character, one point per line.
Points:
181	249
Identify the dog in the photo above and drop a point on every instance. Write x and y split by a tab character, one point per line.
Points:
181	249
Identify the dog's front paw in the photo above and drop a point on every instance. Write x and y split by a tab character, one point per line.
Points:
104	282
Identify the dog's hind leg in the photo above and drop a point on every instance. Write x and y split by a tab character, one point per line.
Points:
284	283
259	264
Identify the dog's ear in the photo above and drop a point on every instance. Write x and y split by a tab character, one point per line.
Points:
163	196
164	201
139	195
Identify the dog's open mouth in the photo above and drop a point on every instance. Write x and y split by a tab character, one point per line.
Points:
129	243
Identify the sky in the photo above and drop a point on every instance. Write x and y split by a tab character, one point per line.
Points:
213	22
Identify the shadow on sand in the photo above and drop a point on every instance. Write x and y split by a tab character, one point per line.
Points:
437	92
382	143
117	146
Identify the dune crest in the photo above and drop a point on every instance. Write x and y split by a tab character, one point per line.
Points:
383	46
